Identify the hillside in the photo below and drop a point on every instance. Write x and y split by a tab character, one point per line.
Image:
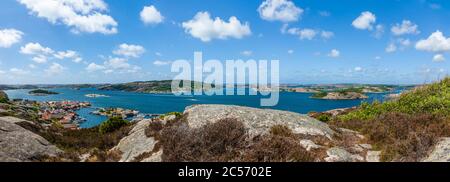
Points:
163	86
404	129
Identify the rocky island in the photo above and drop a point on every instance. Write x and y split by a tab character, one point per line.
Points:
95	95
156	87
40	92
116	112
339	95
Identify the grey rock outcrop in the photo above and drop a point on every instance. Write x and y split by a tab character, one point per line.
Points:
257	121
136	143
20	145
314	136
337	154
441	152
309	145
373	156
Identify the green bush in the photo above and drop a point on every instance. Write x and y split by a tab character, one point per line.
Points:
177	115
324	118
433	98
112	124
319	95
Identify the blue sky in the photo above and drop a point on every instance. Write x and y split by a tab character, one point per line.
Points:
316	41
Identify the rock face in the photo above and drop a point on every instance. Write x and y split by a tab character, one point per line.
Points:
136	143
257	121
337	154
20	145
441	152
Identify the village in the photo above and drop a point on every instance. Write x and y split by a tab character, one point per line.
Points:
62	113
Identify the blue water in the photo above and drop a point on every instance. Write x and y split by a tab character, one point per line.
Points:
163	103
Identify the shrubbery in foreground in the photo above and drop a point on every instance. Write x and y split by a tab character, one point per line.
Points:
112	124
407	128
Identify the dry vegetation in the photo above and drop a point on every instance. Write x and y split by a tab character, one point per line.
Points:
226	140
405	129
77	142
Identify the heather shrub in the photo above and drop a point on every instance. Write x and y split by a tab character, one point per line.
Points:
404	129
77	141
213	142
401	137
112	124
227	140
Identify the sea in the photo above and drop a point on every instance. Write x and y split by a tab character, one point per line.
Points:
163	103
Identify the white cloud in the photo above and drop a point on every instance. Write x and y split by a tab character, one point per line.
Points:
17	71
436	42
206	29
377	57
326	34
290	51
35	49
407	27
280	10
247	53
40	59
438	58
8	37
32	66
334	53
117	63
129	50
391	48
42	54
150	15
39	52
358	69
161	63
379	31
404	42
365	21
81	15
69	54
306	33
94	67
113	65
55	69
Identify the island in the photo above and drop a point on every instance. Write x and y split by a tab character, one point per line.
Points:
95	95
157	87
116	112
340	95
40	92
